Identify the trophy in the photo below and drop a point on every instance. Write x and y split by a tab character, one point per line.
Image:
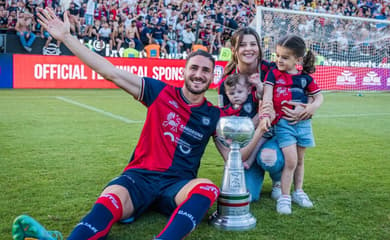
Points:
233	202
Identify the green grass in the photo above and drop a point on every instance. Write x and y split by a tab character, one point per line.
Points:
56	157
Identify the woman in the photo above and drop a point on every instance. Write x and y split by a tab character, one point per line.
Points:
247	59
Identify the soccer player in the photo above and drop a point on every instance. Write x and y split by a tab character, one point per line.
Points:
179	120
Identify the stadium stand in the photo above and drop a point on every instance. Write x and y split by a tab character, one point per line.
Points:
146	21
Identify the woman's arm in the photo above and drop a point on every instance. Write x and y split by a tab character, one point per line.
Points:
302	111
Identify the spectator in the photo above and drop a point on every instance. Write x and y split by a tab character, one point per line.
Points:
133	34
172	41
89	13
94	31
105	34
146	34
11	21
117	36
199	46
152	50
74	18
3	18
23	28
188	39
131	52
158	34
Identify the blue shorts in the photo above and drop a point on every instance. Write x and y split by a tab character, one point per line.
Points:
300	133
150	189
88	19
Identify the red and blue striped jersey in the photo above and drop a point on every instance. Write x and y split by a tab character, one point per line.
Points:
263	70
248	109
175	133
290	87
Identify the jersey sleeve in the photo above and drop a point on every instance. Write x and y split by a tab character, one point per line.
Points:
312	87
150	89
270	78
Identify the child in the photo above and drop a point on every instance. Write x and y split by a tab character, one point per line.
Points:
243	98
286	83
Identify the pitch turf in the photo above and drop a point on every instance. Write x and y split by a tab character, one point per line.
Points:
58	149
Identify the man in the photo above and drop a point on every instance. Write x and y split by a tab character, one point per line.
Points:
23	30
179	119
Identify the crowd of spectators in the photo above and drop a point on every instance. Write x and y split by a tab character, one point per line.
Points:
158	28
341	39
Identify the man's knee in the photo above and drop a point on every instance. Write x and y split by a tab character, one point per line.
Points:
209	190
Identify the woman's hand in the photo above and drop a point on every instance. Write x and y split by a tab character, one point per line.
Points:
301	111
254	80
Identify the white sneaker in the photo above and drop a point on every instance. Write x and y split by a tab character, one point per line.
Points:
276	190
283	204
300	197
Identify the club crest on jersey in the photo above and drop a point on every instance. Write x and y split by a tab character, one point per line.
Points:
205	121
247	107
303	82
173	120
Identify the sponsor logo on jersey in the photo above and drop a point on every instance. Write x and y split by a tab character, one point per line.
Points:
280	81
173	121
281	91
174	103
191	132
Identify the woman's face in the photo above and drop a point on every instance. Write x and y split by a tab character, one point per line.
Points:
247	49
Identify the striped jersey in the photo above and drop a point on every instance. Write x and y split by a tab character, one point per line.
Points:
175	133
290	87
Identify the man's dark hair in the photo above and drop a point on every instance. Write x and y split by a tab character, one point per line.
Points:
201	53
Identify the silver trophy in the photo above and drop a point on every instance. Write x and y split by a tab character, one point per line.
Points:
233	202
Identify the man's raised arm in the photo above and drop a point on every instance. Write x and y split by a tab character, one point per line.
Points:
131	83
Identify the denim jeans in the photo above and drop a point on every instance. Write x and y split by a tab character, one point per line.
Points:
269	159
24	41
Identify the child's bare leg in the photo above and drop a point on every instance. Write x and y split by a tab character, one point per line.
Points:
300	169
290	158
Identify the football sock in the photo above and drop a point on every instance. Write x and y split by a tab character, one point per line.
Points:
190	213
97	223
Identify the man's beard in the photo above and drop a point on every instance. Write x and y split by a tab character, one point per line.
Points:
193	91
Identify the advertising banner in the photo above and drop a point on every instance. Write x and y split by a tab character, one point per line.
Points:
5	71
352	78
37	71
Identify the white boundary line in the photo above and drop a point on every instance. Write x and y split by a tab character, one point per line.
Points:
350	115
123	119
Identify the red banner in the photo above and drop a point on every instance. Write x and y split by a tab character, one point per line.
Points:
38	71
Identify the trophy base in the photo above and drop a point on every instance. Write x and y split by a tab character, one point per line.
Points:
233	223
